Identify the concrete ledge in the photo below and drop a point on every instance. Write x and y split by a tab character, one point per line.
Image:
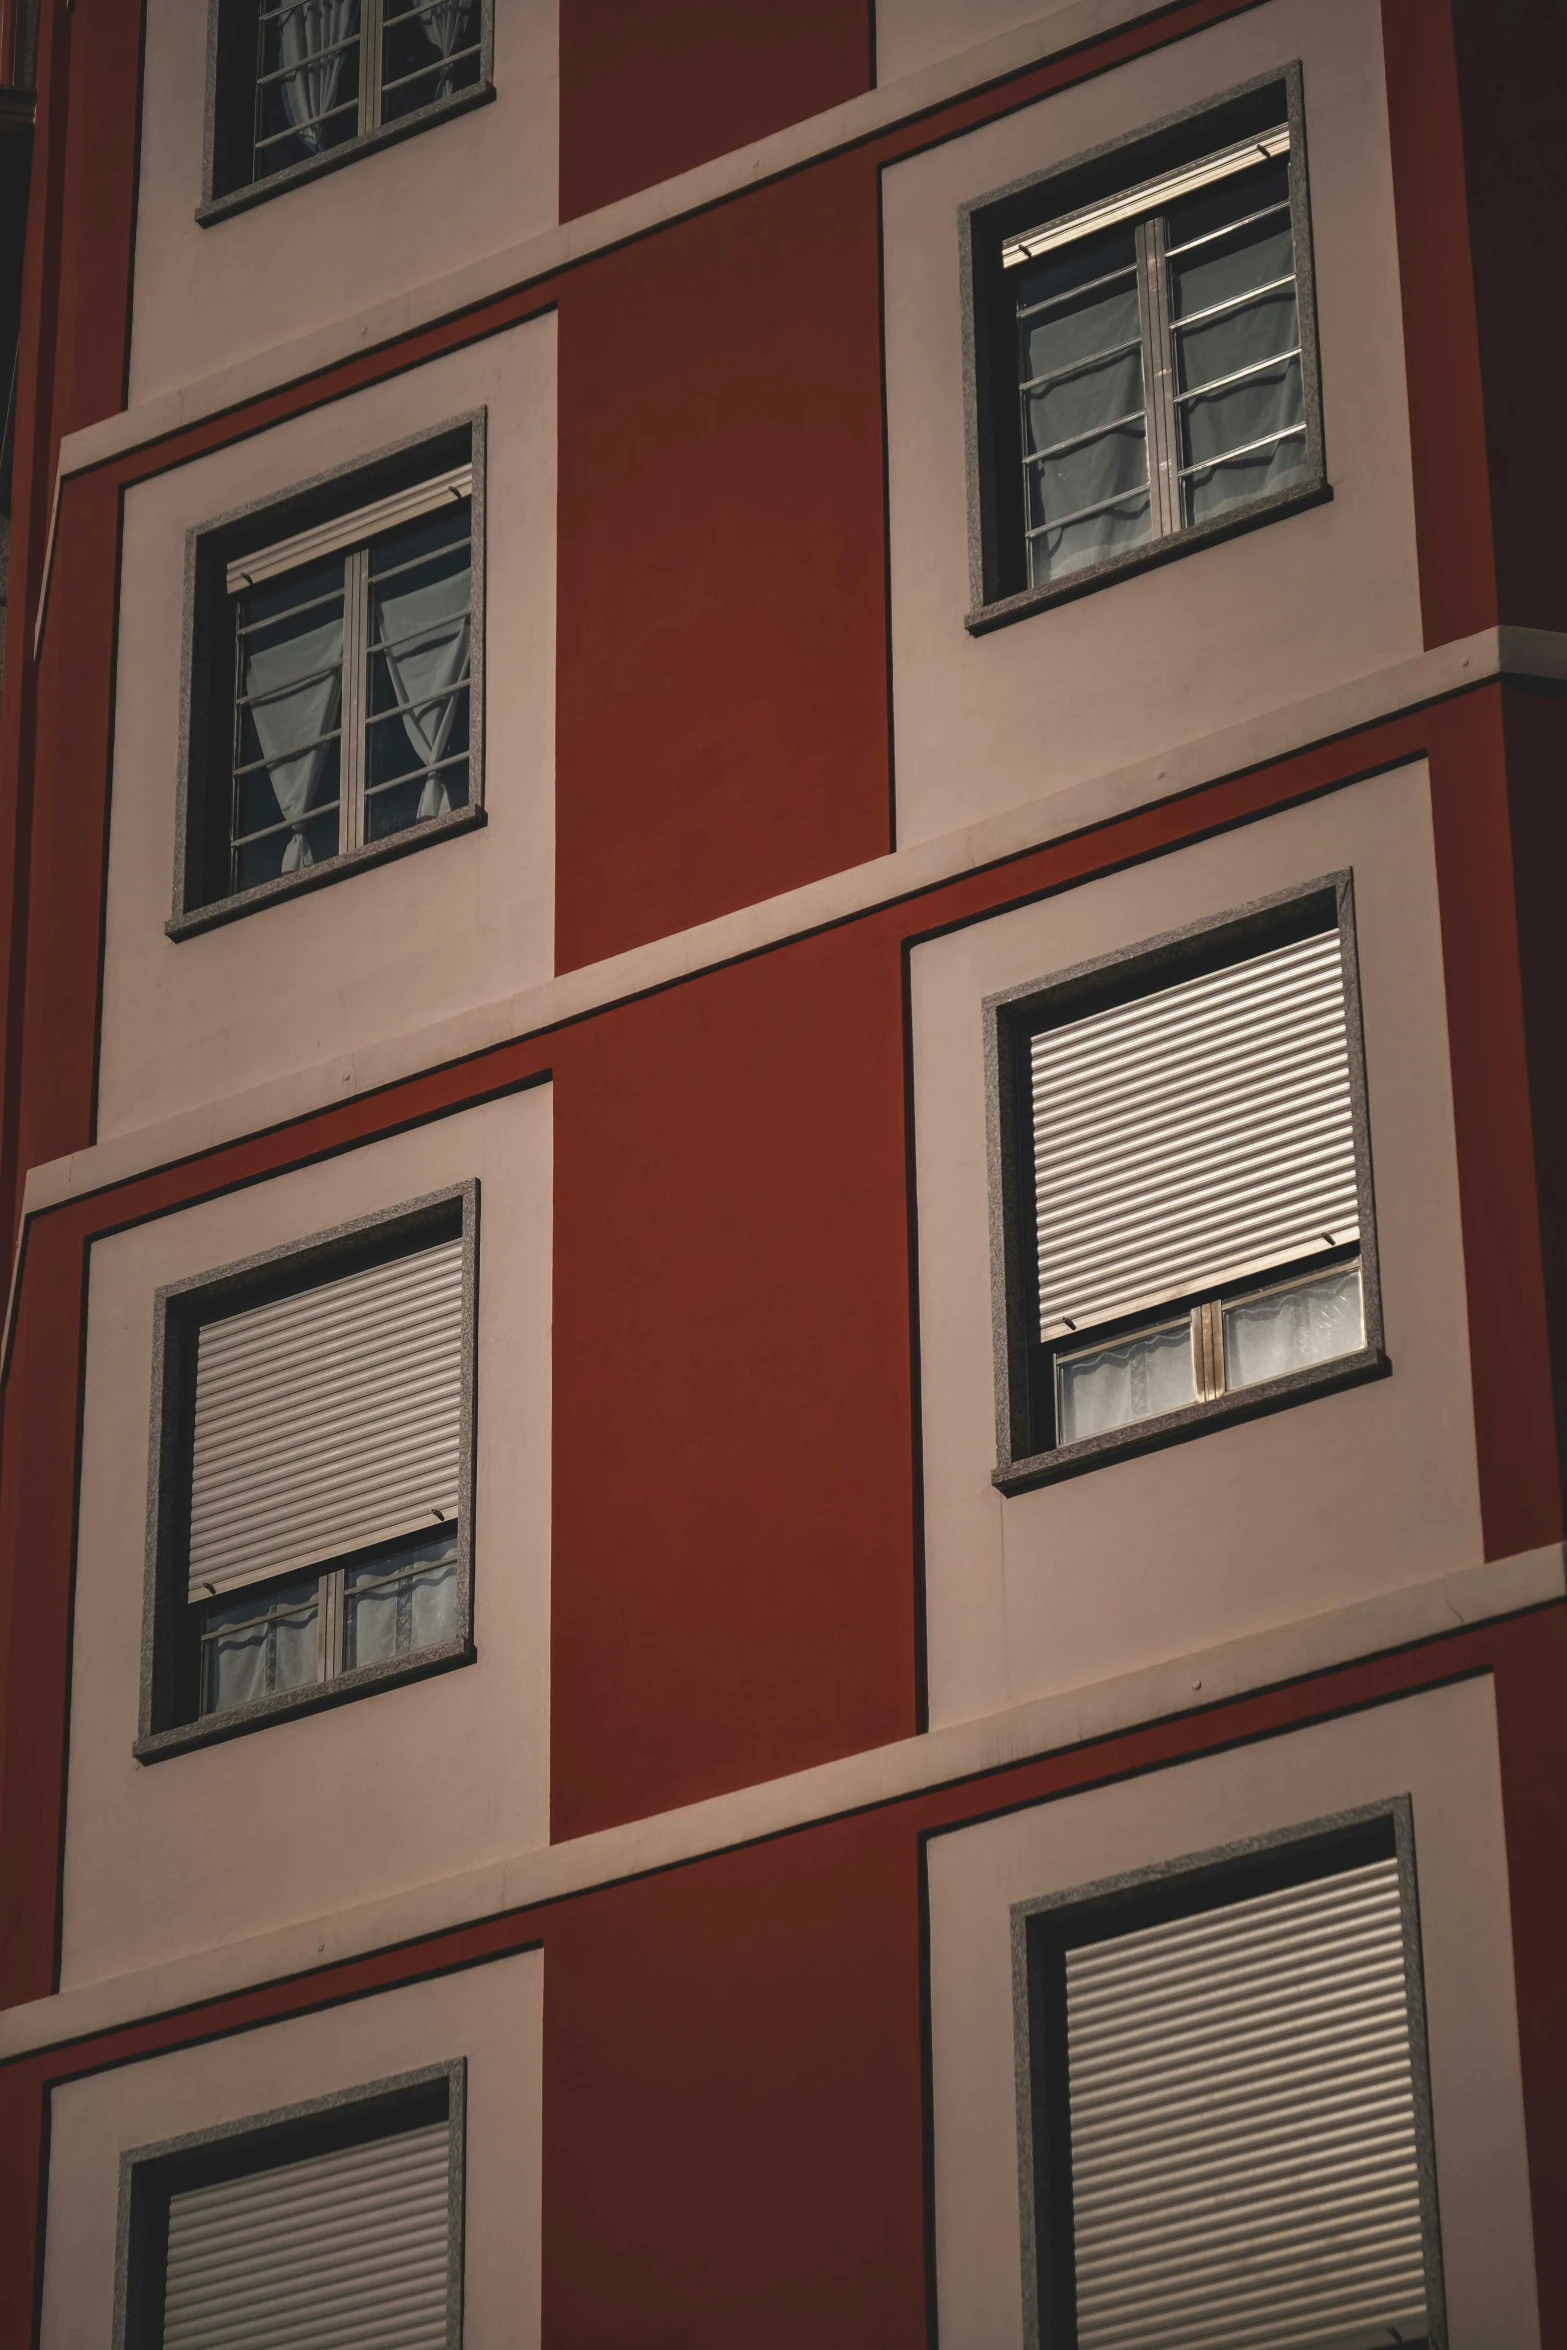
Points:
1044	1725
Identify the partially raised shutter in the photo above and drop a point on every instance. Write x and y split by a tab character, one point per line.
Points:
344	2251
1194	1135
328	1420
1244	2172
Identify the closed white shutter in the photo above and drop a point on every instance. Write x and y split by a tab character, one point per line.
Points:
327	1420
1243	2126
1192	1136
345	2251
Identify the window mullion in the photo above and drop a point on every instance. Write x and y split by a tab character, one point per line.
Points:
1158	376
369	66
356	662
329	1626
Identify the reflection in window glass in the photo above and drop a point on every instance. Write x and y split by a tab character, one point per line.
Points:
1130	1379
260	1643
396	1605
1290	1329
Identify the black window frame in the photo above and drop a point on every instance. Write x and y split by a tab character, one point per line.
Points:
170	1716
204	896
229	184
151	2175
1044	1929
1027	1454
998	582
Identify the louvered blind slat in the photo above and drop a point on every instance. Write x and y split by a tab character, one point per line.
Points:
1244	2164
327	1421
1193	1136
340	2250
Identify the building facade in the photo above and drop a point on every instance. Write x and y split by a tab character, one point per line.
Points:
782	1453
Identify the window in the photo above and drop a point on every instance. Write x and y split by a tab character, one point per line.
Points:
1225	2113
314	1432
1184	1188
303	83
1149	375
338	2224
333	688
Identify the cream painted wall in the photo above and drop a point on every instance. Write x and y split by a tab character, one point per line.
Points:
373	229
388	1791
915	33
1439	1749
1247	1527
493	2015
986	723
382	951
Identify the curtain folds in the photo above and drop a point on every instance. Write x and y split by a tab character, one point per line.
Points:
446	24
309	35
292	715
423	635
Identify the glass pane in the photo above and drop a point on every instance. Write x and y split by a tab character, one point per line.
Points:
1234	479
1112	466
1070	333
1289	1329
1131	1379
259	1642
421	589
1082	402
428	53
307	87
1260	330
287	749
402	1601
1075	545
1253	254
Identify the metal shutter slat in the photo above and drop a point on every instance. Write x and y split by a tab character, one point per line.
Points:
339	2252
1246	2178
1200	1133
328	1421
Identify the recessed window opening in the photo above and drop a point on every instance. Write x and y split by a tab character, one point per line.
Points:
351	649
1158	360
330	71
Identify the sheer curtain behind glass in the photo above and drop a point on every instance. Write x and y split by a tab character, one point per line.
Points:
313	39
288	713
420	641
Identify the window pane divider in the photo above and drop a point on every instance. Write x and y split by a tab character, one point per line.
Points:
356	632
371	64
1158	375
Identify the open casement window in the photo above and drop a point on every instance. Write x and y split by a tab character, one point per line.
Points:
301	79
1149	370
339	2226
351	648
1185	1187
312	1514
1226	2121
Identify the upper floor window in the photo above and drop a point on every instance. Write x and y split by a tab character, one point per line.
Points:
315	1426
1184	1188
332	689
1226	2108
1145	368
301	83
339	2223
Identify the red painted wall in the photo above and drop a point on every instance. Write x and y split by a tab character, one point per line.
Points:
722	658
649	88
733	1592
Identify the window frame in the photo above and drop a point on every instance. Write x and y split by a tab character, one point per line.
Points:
1045	1927
151	2174
1010	1018
165	1727
205	778
997	594
231	83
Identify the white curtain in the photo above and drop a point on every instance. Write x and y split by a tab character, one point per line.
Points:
423	635
1292	1328
1131	1379
305	34
445	25
295	714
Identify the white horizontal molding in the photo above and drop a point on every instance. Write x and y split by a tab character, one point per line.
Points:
858	889
516	266
1042	1726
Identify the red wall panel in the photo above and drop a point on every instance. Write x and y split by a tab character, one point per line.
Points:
649	88
733	1568
722	658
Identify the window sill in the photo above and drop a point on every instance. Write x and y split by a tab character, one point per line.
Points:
262	1712
1149	555
1247	1403
330	869
314	167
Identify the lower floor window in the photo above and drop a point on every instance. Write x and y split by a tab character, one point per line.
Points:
1218	1346
309	1628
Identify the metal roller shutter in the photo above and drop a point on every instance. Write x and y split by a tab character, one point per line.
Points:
344	2251
1195	1135
328	1420
1244	2171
